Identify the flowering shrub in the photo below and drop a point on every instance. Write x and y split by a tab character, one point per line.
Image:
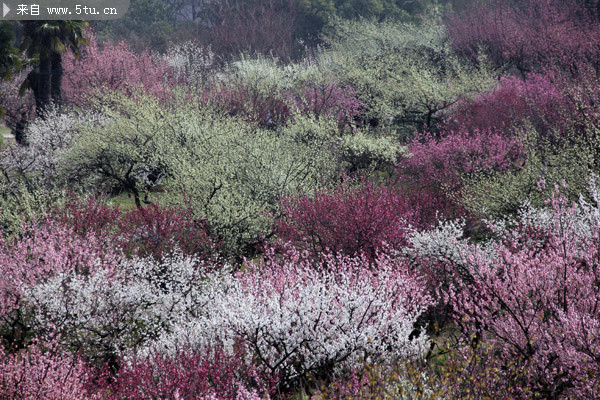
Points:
112	312
48	140
303	319
352	219
189	375
469	374
265	109
278	105
401	381
40	252
330	99
87	215
154	230
446	160
190	62
513	102
361	151
534	297
438	166
115	67
41	372
406	76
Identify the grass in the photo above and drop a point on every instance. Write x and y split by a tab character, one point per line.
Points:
126	202
4	130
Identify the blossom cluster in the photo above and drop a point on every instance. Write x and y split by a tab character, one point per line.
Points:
533	296
300	318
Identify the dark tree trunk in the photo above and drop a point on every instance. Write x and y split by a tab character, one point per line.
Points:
56	79
19	130
41	85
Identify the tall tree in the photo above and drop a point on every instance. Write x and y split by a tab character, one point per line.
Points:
44	42
9	57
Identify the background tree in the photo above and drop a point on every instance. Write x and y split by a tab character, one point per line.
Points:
527	35
8	53
8	56
264	26
44	42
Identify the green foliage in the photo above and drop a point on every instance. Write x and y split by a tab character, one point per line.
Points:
405	74
360	150
228	170
266	76
121	154
19	204
317	14
235	174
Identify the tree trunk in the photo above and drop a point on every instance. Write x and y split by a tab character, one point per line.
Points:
19	130
56	79
41	88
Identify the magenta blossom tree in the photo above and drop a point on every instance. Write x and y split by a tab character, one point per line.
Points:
189	374
354	218
436	165
153	231
539	100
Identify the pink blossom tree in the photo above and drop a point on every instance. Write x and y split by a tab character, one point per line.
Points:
153	231
540	100
330	99
277	107
114	67
43	371
436	165
188	374
534	296
40	252
528	34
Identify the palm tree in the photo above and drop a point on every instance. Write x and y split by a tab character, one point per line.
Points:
44	42
9	56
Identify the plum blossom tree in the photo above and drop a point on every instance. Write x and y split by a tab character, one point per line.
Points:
437	166
354	218
111	312
303	319
541	100
39	163
41	371
42	251
528	34
115	67
191	374
534	297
